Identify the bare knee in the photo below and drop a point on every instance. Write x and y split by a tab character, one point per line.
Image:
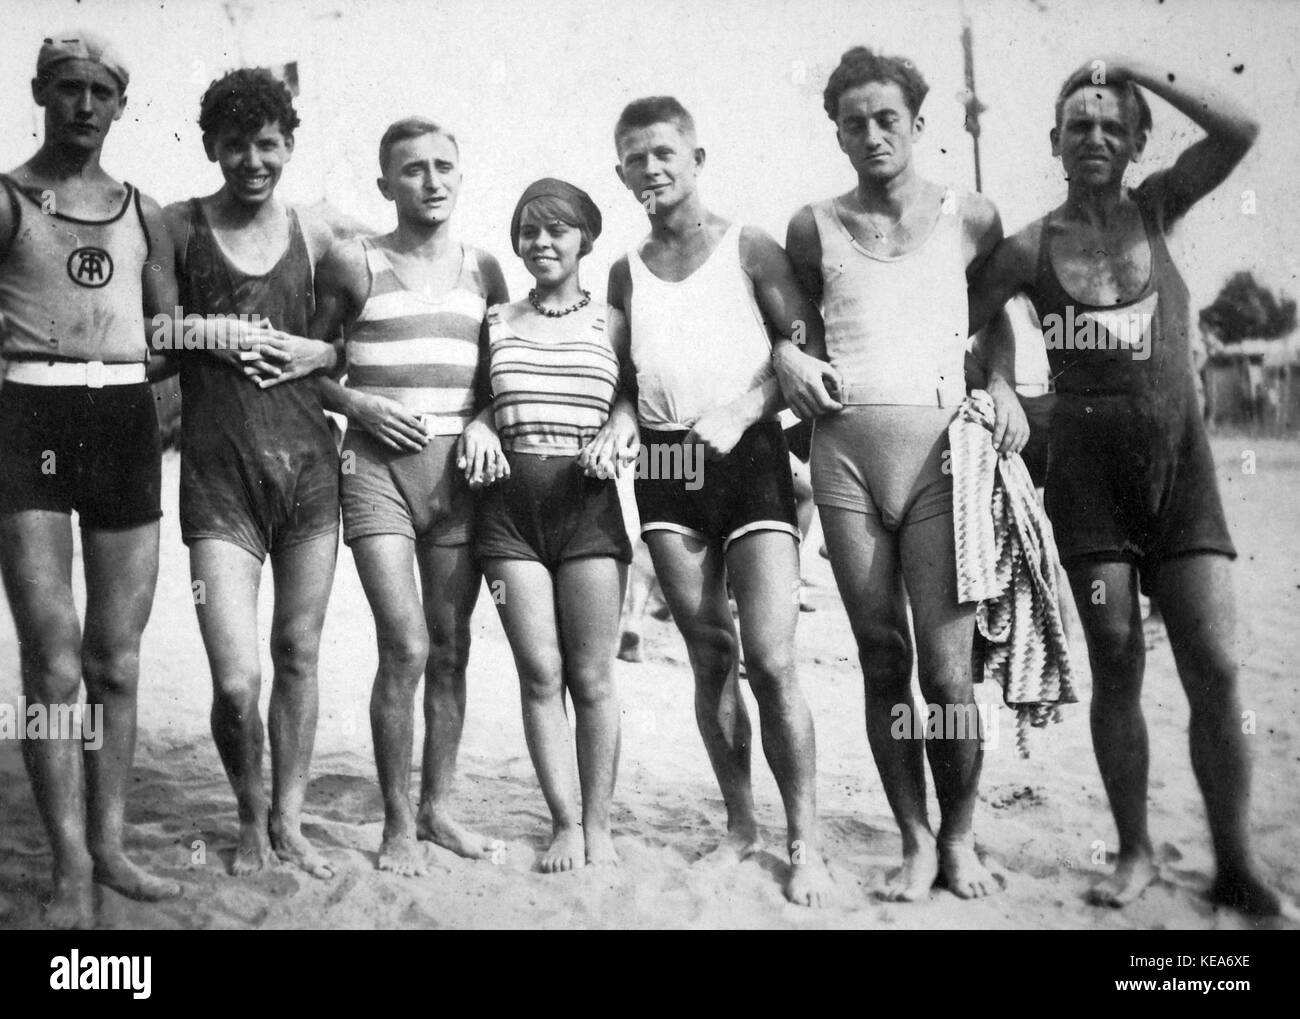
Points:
449	655
1117	654
712	651
295	652
52	678
404	655
110	672
590	684
235	690
885	654
771	672
541	681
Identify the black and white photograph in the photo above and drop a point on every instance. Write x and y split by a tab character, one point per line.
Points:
709	465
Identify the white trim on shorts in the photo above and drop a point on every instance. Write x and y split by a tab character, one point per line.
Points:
740	532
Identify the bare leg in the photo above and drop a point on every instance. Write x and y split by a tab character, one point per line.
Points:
944	631
528	613
386	566
764	570
227	611
641	579
1196	596
121	573
450	580
303	576
588	593
36	557
1107	598
865	559
693	577
801	475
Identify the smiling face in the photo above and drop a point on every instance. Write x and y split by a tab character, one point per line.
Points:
251	164
81	100
422	178
876	130
659	164
1098	137
550	247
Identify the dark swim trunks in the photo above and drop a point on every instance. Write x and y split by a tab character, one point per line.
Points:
750	489
95	451
549	511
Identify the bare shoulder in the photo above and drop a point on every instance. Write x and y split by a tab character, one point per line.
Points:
758	247
619	290
1017	255
344	267
177	217
978	214
318	233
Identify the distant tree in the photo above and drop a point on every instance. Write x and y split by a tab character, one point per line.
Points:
1244	310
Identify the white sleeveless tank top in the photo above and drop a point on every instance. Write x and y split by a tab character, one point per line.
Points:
896	328
699	343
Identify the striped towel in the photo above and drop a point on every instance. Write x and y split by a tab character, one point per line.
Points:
1007	561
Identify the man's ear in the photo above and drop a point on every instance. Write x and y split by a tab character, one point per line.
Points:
382	183
210	147
918	126
1139	146
288	147
618	169
839	140
38	92
1055	136
700	156
121	106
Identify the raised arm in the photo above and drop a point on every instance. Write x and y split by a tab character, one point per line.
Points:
1230	129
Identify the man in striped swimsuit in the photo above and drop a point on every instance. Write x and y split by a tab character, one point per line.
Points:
414	304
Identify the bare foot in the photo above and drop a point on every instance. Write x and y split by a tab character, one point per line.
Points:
72	907
292	847
600	847
916	877
254	850
810	883
567	851
1243	891
125	878
963	872
629	648
401	854
1130	880
741	843
439	828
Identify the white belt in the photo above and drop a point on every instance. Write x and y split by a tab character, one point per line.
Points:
91	374
941	391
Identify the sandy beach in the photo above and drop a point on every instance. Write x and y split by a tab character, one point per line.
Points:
1042	823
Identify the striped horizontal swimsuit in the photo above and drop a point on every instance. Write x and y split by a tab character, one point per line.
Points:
421	351
551	397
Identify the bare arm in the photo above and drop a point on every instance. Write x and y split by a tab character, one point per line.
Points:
811	385
1229	127
158	288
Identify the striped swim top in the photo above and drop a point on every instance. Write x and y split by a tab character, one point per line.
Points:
421	351
551	396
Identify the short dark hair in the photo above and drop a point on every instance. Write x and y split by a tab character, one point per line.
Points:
860	66
409	127
1130	96
247	99
653	110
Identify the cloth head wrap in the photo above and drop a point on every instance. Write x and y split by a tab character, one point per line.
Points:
78	44
584	209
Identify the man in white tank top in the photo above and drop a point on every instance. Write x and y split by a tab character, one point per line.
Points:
700	295
888	261
80	433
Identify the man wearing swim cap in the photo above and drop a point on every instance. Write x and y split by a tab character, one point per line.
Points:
82	258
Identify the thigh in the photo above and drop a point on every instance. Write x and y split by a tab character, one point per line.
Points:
386	565
692	576
589	596
524	593
450	579
865	560
1198	604
36	561
303	574
121	568
1106	596
228	576
944	626
763	567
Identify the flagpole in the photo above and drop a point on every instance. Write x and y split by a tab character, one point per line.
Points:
973	106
